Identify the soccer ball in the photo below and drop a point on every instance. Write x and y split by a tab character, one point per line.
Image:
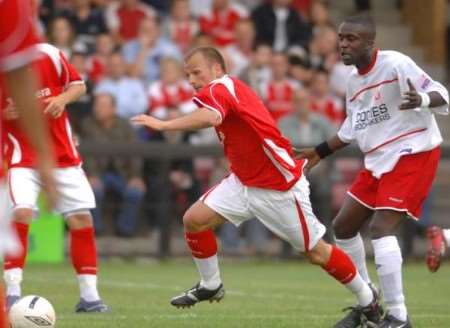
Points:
32	312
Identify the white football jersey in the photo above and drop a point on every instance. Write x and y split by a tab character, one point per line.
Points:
383	132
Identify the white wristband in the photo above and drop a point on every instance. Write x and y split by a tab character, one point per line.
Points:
425	100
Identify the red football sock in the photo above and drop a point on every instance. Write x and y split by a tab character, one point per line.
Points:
340	266
3	316
202	244
18	261
83	251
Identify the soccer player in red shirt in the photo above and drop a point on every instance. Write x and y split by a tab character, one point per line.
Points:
265	182
17	39
59	84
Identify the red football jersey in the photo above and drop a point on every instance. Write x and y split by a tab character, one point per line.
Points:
220	24
17	40
259	155
55	74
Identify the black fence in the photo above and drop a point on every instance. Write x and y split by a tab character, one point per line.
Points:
164	154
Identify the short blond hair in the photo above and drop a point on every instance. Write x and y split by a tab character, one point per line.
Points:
211	54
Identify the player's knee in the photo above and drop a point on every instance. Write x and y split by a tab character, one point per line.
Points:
342	231
191	222
378	229
315	257
384	223
23	215
320	254
79	220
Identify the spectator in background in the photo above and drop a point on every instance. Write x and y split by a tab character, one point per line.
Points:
323	48
104	47
300	69
82	107
279	24
144	53
202	40
339	75
129	93
180	26
88	22
258	73
242	49
198	7
279	91
62	35
323	101
172	92
124	17
303	7
303	128
319	15
119	175
219	21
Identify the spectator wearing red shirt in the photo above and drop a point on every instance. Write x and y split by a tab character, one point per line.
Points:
278	93
171	93
97	62
124	17
324	102
180	26
220	21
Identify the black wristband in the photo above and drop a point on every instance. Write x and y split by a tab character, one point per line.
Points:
323	150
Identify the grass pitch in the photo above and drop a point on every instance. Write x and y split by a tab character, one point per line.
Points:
259	294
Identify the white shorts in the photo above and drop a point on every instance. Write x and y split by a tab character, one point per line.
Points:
74	191
8	241
288	214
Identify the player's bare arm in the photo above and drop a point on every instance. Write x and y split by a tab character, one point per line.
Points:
413	99
315	154
21	85
56	105
199	119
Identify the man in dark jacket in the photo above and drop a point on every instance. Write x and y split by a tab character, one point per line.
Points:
277	23
120	175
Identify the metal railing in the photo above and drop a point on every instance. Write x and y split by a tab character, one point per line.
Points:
164	154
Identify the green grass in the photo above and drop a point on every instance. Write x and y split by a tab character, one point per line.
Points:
259	294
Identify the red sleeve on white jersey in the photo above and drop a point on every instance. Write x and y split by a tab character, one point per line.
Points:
17	36
215	97
69	75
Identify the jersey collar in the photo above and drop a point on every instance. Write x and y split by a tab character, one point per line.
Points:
369	67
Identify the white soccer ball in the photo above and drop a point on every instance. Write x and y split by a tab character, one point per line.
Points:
32	312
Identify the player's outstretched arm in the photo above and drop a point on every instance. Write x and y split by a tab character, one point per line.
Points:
199	119
56	105
21	85
314	155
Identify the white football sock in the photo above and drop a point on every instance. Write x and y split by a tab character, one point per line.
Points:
13	278
209	272
388	261
446	233
88	287
354	247
361	290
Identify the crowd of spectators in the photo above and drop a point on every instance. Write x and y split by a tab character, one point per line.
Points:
130	54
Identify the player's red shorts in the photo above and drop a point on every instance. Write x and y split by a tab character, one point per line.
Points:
403	189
